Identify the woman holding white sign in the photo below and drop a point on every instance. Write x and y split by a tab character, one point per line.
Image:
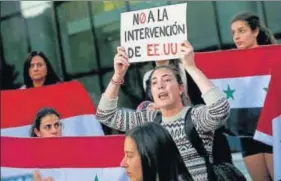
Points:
166	91
221	148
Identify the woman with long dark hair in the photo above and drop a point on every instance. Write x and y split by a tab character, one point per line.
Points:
38	71
249	32
152	155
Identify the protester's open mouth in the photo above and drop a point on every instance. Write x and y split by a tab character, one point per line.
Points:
163	95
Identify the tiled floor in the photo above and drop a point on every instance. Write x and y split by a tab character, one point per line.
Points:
239	163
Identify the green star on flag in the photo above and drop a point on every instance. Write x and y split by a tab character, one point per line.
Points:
265	89
96	178
229	92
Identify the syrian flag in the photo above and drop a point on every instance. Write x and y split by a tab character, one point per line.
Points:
244	76
269	125
63	158
251	81
271	111
66	158
70	100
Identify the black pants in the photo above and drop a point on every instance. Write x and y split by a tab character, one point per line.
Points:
252	147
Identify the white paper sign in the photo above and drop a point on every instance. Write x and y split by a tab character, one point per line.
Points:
154	34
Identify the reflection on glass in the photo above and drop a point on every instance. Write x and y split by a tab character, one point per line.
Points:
15	46
91	83
38	7
106	20
146	4
271	10
77	37
111	5
177	1
201	27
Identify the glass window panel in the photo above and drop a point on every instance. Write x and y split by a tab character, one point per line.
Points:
77	38
177	1
106	21
106	6
15	45
137	5
9	7
273	15
91	84
33	8
201	27
42	33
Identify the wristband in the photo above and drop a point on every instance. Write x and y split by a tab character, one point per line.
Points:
117	83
